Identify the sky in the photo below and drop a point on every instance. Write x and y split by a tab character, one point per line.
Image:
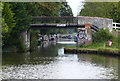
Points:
76	6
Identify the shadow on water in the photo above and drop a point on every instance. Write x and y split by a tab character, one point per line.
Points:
41	54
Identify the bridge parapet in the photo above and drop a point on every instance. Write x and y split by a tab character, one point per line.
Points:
54	20
100	22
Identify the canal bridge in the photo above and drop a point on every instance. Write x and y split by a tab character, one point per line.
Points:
84	25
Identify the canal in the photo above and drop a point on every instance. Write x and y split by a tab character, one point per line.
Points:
50	62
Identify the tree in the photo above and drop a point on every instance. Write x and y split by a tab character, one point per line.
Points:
115	12
17	16
23	18
66	10
97	9
102	9
8	23
53	9
8	18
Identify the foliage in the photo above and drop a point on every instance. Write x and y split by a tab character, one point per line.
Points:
44	8
100	9
20	45
102	35
34	39
66	10
115	12
94	9
8	16
8	23
55	9
14	42
15	20
17	16
100	38
107	10
5	27
23	19
49	9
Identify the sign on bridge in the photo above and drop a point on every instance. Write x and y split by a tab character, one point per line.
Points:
56	26
61	25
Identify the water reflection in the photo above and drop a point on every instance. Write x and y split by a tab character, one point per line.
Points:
51	63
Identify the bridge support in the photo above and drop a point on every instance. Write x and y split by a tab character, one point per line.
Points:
85	35
26	38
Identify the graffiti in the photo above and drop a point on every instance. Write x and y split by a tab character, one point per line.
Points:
85	35
88	37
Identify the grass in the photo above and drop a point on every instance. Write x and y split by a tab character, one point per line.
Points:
100	45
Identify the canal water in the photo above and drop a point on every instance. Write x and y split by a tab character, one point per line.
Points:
50	62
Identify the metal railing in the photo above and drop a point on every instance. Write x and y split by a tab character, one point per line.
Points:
116	25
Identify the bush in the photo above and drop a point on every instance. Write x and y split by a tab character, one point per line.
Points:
101	38
34	40
21	45
33	43
14	44
102	35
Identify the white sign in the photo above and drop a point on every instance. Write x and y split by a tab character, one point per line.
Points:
59	25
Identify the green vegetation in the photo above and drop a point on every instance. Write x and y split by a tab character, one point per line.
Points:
34	42
102	9
17	16
101	38
100	41
106	10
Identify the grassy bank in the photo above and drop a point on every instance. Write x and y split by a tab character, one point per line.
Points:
100	43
